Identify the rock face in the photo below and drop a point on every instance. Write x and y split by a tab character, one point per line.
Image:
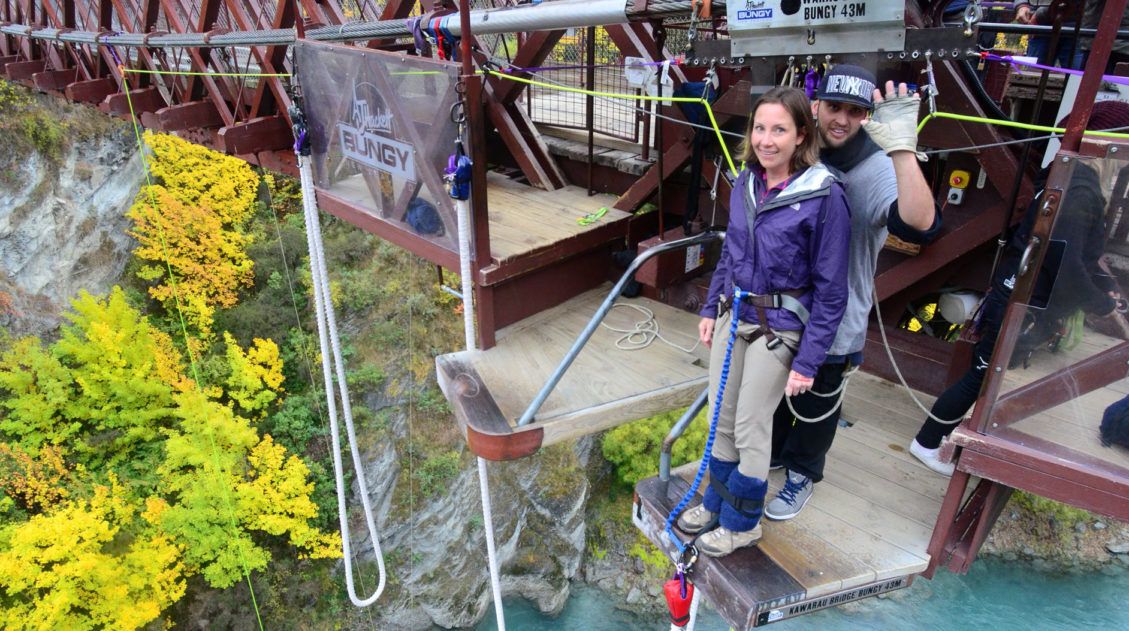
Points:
436	553
63	228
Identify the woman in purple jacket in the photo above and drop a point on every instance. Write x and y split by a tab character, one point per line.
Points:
786	245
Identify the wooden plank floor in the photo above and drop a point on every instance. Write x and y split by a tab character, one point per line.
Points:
605	386
868	522
523	219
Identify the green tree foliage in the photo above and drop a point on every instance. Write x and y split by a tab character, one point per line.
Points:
104	390
201	491
224	484
634	447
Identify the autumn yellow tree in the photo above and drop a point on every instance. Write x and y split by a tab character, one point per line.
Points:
201	491
77	568
190	227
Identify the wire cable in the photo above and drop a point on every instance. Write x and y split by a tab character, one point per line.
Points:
226	490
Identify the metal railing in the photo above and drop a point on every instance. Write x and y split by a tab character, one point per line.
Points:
585	335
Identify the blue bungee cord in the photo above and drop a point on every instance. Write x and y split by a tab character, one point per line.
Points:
738	295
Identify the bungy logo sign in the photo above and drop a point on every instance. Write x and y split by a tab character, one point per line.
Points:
367	140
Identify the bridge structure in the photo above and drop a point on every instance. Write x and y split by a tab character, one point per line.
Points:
554	205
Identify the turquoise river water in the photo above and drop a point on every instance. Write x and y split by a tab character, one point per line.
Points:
994	595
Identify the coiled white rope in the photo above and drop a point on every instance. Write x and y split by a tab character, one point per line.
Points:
643	332
328	338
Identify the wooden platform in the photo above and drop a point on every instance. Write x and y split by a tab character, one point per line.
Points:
489	390
525	220
864	532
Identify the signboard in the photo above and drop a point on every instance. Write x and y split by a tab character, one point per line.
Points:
381	133
808	27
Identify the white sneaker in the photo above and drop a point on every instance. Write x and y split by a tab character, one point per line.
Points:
931	458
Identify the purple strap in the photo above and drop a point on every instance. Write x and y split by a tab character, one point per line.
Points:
583	67
1021	62
811	80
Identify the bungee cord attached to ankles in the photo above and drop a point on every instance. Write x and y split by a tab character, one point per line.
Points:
683	549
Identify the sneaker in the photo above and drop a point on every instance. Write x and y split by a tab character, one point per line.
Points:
695	520
775	465
791	499
721	541
931	458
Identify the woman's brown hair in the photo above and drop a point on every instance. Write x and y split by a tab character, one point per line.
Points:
796	103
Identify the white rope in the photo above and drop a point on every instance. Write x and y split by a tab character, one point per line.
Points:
643	333
841	391
491	554
328	338
463	214
898	372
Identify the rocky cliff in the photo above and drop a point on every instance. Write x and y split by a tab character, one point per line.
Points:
62	222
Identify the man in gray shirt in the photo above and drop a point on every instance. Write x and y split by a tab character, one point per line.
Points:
872	140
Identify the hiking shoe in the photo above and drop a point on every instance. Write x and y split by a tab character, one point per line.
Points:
791	499
721	540
931	458
695	520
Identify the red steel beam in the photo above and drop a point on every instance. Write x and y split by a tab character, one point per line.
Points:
214	89
533	52
269	92
194	115
1063	385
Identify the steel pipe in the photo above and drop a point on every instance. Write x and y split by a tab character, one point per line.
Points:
546	16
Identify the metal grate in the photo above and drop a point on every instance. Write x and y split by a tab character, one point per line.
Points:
614	118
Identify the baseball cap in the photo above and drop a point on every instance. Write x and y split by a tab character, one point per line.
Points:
847	84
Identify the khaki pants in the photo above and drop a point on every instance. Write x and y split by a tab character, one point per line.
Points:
756	380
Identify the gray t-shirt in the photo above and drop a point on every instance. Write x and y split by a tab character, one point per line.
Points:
871	188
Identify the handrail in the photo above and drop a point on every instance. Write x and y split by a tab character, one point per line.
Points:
586	334
676	432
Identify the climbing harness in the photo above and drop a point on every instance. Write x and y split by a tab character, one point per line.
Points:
330	341
760	302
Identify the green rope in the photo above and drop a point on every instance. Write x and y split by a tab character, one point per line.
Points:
632	97
1007	123
186	73
184	331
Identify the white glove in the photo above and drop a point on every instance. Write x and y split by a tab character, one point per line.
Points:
893	125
